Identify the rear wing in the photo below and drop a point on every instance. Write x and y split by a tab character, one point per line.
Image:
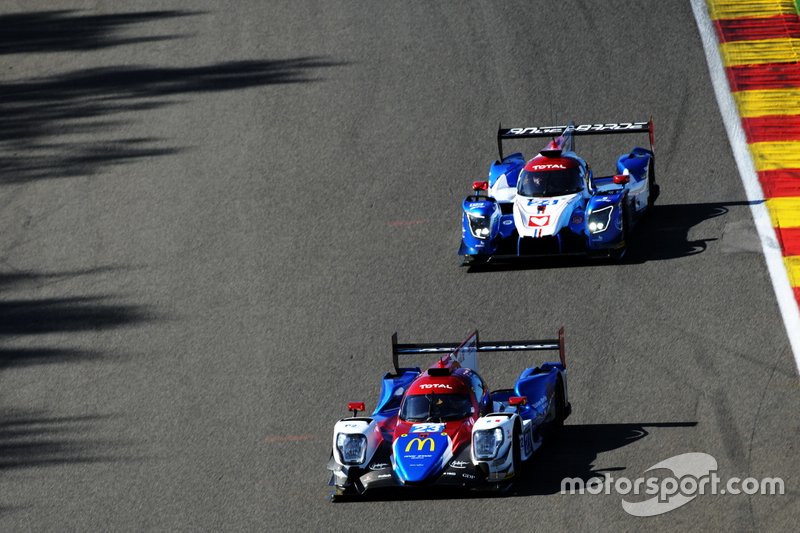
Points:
466	353
581	129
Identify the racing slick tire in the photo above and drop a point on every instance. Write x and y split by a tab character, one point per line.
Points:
507	486
475	260
516	452
618	254
560	408
653	188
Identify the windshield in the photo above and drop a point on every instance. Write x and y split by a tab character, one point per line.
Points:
435	407
550	183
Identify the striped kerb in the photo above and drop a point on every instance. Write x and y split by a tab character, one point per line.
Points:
760	48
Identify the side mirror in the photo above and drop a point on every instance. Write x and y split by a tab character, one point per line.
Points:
480	186
356	407
621	179
516	401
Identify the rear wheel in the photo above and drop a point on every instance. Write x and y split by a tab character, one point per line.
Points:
560	407
653	188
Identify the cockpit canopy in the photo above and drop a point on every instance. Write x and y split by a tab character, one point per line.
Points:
551	177
435	407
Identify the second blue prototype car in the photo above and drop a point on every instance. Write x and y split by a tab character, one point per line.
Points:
554	204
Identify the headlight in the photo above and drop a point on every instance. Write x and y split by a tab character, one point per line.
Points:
352	447
485	443
479	225
600	219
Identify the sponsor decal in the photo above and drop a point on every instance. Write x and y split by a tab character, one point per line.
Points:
421	444
378	466
384	476
435	386
427	428
577	219
548	166
449	474
508	222
542	202
467	476
527	442
459	464
558	130
477	204
540	403
351	425
538	221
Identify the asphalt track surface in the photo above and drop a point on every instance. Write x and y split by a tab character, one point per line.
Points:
213	218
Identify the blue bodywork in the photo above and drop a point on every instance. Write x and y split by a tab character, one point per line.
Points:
618	206
510	166
418	465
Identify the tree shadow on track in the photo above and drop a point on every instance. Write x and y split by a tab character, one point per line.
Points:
62	126
662	235
70	314
35	438
71	30
69	124
571	455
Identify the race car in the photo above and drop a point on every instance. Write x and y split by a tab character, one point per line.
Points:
444	427
554	204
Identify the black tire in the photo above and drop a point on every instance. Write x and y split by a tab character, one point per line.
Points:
475	260
619	253
516	453
653	187
561	408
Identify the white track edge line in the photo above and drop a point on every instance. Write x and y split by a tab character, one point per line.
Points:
769	242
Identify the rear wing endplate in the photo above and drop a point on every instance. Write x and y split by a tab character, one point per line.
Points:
465	353
580	129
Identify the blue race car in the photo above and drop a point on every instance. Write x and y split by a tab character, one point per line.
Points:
443	426
553	204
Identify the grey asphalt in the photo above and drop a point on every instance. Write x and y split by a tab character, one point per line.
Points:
214	217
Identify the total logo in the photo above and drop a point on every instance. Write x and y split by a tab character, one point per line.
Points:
435	386
549	166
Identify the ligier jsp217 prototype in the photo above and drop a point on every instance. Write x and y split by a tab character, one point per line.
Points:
443	426
554	204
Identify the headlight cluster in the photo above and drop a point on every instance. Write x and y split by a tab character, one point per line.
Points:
479	225
600	219
486	443
352	447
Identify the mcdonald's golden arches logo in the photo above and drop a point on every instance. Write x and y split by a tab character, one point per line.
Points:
421	443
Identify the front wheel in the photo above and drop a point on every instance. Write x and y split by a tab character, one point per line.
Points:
516	453
618	254
474	260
